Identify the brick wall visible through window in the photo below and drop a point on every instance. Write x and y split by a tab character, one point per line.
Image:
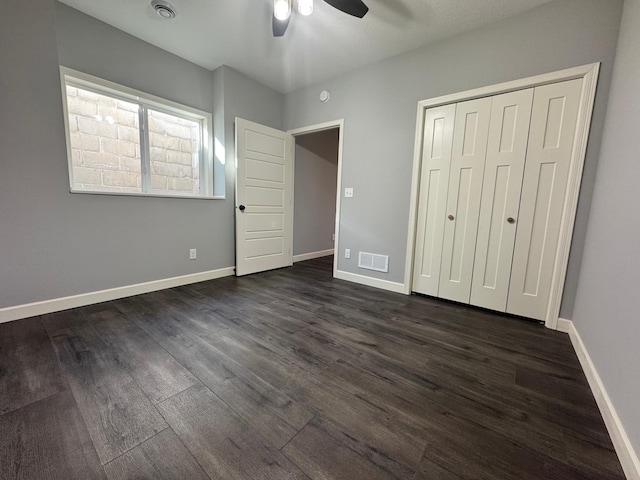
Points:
122	146
105	142
174	144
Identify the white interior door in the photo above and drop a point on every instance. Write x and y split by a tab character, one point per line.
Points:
264	210
504	167
551	143
463	202
434	183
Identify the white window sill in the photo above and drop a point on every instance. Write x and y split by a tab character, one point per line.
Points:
155	195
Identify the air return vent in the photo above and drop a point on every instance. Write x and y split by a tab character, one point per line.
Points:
372	261
164	9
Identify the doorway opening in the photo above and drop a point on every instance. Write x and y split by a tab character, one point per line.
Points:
317	162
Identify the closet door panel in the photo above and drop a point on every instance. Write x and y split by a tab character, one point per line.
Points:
463	200
434	183
504	168
551	141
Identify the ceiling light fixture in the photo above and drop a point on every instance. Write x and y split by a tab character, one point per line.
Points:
305	7
164	9
282	9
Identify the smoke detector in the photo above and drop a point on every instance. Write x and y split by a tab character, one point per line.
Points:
164	9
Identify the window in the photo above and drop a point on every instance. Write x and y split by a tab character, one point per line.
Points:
125	142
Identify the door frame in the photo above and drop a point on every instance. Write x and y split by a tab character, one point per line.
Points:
589	75
296	132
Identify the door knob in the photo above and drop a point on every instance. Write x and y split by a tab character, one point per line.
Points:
242	207
511	220
451	217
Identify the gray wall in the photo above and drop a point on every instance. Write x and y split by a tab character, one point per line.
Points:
236	95
608	300
93	47
32	158
248	99
378	104
53	243
314	203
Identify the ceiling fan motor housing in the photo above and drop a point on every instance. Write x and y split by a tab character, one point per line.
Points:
282	11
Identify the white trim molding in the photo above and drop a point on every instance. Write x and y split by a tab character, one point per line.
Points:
626	454
310	256
318	127
64	303
370	281
589	75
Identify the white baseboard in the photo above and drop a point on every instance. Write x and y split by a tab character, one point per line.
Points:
310	256
566	326
57	304
370	281
626	453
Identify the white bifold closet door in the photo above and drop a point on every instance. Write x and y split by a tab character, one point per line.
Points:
463	200
493	186
434	180
504	168
549	153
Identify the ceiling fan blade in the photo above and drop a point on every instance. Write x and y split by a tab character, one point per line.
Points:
280	26
357	8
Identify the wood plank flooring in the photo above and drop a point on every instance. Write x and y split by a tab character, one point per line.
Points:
291	374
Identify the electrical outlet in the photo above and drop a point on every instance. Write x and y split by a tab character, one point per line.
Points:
193	254
348	192
347	253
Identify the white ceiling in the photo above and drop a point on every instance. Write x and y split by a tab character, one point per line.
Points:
237	33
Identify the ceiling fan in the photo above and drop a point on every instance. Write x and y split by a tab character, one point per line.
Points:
282	11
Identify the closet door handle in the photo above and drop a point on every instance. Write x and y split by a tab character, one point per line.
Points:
511	220
451	217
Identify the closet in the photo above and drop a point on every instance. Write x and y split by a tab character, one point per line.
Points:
494	174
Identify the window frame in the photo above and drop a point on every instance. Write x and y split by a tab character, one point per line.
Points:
74	78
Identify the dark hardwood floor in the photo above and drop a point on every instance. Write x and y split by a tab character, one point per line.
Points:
291	374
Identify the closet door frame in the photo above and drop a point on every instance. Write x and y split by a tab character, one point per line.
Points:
589	75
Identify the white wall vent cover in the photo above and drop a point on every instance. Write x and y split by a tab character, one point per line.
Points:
372	261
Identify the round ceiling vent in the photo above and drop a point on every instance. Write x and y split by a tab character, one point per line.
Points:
164	9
